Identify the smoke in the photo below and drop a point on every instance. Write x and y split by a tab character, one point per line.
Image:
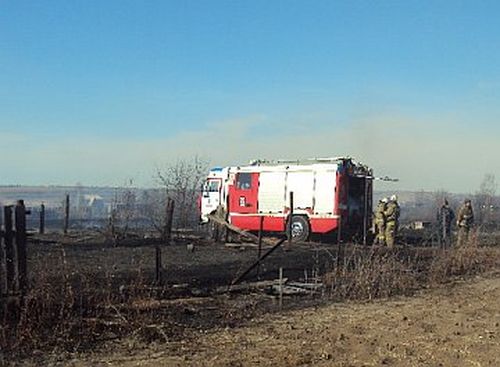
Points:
423	154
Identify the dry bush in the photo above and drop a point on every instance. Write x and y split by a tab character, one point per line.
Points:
376	274
463	261
80	317
122	213
371	275
70	318
181	181
73	312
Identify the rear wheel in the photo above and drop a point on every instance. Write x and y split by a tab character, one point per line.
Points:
300	228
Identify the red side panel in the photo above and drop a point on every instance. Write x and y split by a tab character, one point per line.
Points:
248	222
277	224
323	225
243	193
243	205
252	223
274	224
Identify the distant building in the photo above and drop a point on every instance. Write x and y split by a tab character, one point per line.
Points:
420	225
95	206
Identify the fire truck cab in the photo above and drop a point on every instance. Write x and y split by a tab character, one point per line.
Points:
329	195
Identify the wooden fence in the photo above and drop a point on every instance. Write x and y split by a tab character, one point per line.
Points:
13	256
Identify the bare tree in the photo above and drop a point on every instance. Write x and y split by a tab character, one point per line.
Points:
155	210
122	214
439	196
484	199
181	182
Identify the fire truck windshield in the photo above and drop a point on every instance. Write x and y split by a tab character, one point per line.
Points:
212	186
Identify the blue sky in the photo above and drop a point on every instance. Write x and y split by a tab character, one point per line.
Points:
156	79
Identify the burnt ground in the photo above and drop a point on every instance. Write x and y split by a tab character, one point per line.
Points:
187	305
207	266
192	295
450	326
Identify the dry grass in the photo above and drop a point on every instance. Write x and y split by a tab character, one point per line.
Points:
380	274
465	261
76	314
73	312
371	275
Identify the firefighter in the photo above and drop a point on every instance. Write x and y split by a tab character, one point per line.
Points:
391	221
445	217
465	221
379	222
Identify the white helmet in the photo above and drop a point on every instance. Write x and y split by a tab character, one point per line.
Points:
385	200
394	197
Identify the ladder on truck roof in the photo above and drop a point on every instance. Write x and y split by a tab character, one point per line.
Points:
258	162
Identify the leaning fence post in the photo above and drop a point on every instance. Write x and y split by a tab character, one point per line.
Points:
20	214
66	214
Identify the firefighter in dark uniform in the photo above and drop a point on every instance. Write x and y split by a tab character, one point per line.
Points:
445	217
465	221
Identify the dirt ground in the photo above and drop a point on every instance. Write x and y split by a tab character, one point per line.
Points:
191	324
454	325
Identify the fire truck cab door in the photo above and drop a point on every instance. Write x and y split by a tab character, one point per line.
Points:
212	192
243	196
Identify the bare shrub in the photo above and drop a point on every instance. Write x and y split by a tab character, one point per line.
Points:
122	213
371	275
461	261
485	200
181	181
380	273
157	213
72	312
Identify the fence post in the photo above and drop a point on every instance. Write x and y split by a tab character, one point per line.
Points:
66	214
340	250
20	214
10	251
42	218
290	217
365	212
259	243
3	273
169	220
157	264
281	288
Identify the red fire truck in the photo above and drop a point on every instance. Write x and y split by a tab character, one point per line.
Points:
330	195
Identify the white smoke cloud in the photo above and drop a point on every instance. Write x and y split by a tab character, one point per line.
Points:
423	154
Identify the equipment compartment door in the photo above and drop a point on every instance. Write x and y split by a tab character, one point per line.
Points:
243	198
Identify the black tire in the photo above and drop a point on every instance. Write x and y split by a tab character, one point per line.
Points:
300	228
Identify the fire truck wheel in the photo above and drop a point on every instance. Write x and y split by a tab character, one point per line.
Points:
300	228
